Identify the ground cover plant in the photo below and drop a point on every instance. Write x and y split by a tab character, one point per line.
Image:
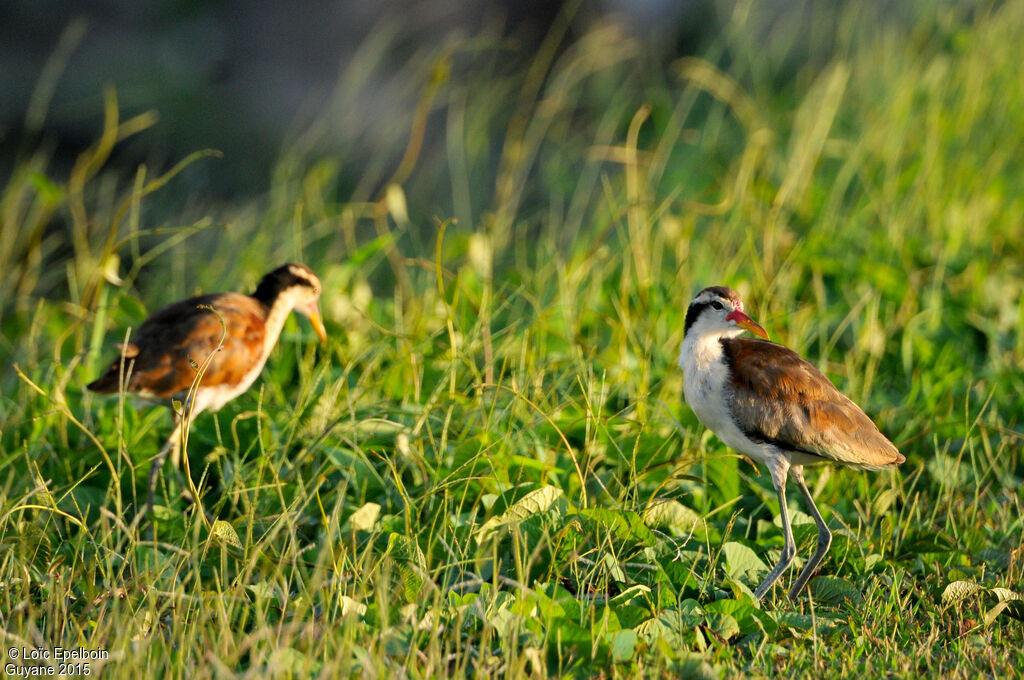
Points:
488	471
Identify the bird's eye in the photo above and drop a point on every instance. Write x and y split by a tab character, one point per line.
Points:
717	305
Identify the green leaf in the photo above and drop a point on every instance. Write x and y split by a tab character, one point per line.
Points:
565	634
1006	600
624	525
623	645
834	590
500	614
994	559
673	515
132	310
673	625
722	472
926	542
723	625
750	619
741	562
225	534
533	503
957	591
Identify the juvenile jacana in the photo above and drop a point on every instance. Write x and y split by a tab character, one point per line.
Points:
204	351
767	403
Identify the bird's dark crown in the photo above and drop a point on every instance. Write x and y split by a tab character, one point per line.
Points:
281	279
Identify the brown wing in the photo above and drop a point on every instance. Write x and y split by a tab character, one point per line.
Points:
779	398
171	345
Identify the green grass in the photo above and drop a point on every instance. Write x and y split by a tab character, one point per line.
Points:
489	469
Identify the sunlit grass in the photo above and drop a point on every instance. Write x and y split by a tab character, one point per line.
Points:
489	470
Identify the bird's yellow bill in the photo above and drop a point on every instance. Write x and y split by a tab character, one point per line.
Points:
318	325
747	324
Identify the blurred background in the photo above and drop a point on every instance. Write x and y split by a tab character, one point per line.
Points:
705	139
341	77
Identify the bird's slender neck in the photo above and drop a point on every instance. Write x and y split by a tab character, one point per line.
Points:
277	312
700	350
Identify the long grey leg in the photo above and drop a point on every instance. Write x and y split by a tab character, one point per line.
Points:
778	466
824	535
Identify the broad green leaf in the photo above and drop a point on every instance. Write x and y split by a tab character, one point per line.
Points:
564	633
624	525
723	625
412	582
993	613
406	549
612	568
795	621
638	593
672	514
749	617
835	590
1005	594
623	645
723	481
957	591
927	542
1006	600
741	562
535	502
554	601
132	310
805	623
1015	609
673	625
995	559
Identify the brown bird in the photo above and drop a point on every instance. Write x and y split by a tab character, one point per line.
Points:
764	401
204	351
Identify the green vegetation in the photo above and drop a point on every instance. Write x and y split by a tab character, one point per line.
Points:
489	470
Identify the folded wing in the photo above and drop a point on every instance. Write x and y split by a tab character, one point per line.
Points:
169	348
779	398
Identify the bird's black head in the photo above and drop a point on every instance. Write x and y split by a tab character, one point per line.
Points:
287	276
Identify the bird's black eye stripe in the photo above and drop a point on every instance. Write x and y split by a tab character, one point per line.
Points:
692	314
695	311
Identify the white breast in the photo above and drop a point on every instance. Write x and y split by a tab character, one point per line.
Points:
705	385
213	398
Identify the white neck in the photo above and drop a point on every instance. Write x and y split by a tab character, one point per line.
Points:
278	314
700	350
705	386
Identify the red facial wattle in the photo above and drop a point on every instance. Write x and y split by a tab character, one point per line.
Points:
747	324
